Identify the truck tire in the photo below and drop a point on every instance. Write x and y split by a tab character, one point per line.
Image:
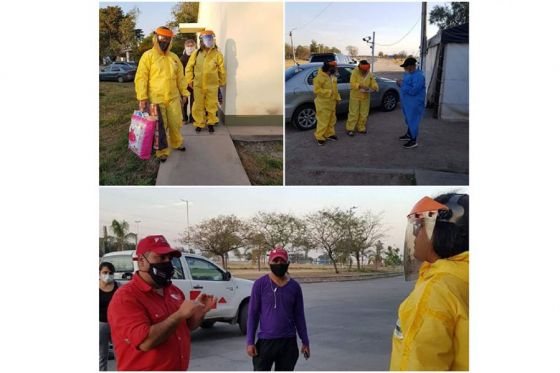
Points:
243	313
207	324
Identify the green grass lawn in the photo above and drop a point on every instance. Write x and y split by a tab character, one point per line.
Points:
117	164
263	161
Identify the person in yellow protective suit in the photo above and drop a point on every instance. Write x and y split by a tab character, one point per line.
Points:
205	73
326	96
160	80
432	330
362	82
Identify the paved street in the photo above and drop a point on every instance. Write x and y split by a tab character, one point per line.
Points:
350	326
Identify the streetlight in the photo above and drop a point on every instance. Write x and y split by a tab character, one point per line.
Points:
137	230
188	225
371	40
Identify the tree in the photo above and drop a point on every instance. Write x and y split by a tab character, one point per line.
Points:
325	231
218	236
445	16
122	235
182	13
335	50
381	54
313	47
352	50
392	256
117	31
377	256
288	53
302	52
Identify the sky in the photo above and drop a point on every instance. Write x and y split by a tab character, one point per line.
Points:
152	15
161	210
343	24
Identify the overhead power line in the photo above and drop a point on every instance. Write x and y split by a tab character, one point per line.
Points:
317	16
401	39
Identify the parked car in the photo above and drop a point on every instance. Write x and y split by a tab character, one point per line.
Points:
116	72
195	274
132	64
300	107
338	57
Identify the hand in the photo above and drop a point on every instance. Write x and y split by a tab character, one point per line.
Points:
305	351
207	300
190	85
252	350
189	308
142	104
399	82
184	100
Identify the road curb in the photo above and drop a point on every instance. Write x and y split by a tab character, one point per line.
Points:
309	280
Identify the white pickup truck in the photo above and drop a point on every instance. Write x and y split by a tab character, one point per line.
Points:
195	274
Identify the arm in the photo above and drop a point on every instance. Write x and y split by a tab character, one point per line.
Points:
319	89
189	70
253	314
181	82
142	77
301	325
414	85
354	81
221	70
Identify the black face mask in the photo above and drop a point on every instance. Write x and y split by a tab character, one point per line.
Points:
163	45
161	273
279	269
332	71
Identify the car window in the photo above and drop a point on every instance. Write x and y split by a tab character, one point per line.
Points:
115	68
312	76
122	263
322	58
203	270
178	271
344	75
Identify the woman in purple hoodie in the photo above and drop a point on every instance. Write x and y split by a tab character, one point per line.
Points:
276	306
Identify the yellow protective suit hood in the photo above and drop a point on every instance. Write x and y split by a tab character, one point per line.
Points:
160	77
432	330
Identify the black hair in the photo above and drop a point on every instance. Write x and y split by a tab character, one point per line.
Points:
110	266
451	239
364	62
325	66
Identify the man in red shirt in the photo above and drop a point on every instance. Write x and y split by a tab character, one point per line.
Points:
149	317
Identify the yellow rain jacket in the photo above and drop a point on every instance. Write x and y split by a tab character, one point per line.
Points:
160	77
325	88
432	332
356	79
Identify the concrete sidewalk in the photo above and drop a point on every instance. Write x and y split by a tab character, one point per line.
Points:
441	158
210	159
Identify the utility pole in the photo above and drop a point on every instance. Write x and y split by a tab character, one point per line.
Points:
188	225
293	50
137	230
423	40
373	52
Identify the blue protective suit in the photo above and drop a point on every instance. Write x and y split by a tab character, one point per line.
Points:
413	95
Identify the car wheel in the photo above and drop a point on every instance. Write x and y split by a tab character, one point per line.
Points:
207	324
389	101
305	117
120	79
243	313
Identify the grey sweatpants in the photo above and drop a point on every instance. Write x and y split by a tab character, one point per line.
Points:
104	338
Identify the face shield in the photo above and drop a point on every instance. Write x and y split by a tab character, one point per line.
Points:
163	42
421	223
208	40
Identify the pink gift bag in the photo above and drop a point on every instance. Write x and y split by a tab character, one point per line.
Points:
141	134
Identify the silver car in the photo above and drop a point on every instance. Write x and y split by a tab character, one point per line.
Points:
300	108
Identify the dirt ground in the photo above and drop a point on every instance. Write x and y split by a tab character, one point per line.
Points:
378	158
262	161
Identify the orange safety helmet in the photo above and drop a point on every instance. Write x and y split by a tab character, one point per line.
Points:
207	32
164	31
427	204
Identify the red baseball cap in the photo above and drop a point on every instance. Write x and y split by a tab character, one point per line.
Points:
156	244
278	252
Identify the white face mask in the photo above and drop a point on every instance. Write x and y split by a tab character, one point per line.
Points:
107	278
189	50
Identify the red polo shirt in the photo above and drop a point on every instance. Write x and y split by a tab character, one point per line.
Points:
134	308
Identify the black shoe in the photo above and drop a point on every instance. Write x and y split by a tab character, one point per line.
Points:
405	137
410	144
321	142
211	129
350	133
198	129
333	138
182	149
162	159
363	132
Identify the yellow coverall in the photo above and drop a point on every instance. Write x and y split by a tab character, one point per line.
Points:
207	72
432	331
359	101
326	96
160	79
